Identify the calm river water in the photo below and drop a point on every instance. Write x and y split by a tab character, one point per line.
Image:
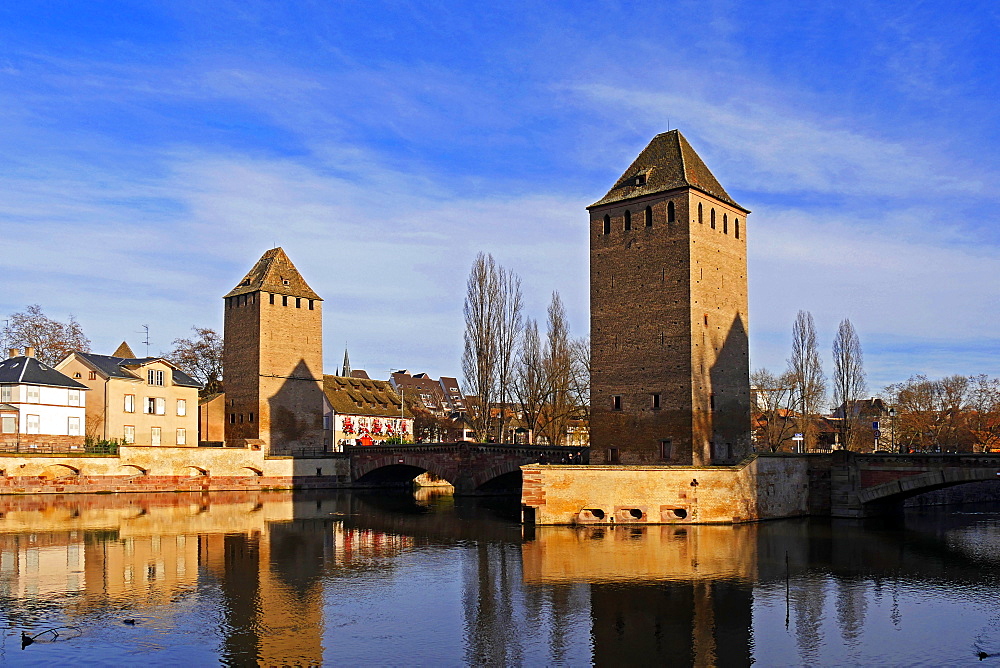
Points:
338	579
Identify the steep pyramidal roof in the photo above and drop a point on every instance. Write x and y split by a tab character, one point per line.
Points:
124	351
667	163
274	272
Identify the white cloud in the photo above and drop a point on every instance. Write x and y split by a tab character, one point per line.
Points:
773	149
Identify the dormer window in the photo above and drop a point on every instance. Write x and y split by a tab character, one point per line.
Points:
286	281
640	180
154	377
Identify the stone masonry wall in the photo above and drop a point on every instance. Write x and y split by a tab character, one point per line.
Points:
763	488
669	318
163	469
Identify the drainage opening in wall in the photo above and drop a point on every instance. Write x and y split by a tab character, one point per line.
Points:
592	514
674	513
635	513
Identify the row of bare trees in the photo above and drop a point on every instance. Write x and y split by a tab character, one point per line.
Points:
511	374
790	402
953	414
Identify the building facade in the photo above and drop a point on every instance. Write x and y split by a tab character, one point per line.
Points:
361	411
273	360
39	406
668	298
141	401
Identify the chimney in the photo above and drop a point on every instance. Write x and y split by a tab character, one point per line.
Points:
14	352
29	351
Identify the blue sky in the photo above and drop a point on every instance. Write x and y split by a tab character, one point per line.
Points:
153	151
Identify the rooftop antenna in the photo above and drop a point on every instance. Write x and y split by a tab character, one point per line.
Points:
145	338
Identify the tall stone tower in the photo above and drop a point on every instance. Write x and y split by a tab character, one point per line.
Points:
668	309
273	359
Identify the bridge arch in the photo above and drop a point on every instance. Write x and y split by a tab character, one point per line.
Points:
134	470
400	468
58	470
897	491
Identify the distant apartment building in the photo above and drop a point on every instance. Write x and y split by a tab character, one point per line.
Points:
361	411
39	406
138	400
442	399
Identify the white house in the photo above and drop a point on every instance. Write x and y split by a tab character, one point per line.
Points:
39	405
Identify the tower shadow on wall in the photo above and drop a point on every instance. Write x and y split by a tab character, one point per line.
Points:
295	410
726	424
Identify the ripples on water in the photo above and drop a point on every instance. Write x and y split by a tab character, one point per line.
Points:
304	579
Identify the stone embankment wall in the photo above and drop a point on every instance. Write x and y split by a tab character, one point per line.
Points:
760	488
167	469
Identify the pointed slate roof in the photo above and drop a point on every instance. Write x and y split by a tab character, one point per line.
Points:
667	163
346	369
274	272
24	370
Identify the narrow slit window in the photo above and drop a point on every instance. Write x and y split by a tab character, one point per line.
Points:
272	297
666	449
607	224
712	216
736	227
649	216
670	212
656	401
628	219
725	223
700	216
616	402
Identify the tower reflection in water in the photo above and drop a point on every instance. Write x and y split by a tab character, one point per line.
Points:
677	594
283	578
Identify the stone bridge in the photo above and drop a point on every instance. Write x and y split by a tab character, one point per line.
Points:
472	468
874	484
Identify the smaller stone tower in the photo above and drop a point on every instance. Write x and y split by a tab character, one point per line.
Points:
273	359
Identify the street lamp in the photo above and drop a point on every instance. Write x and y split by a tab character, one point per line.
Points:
892	428
402	404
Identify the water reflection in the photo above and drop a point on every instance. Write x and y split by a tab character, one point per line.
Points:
307	579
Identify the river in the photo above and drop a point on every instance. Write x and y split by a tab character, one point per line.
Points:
281	578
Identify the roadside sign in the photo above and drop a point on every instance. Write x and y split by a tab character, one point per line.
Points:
798	437
875	425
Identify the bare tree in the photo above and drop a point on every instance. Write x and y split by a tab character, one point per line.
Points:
805	372
558	364
984	419
51	339
509	326
201	358
849	382
580	381
530	381
774	421
493	324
